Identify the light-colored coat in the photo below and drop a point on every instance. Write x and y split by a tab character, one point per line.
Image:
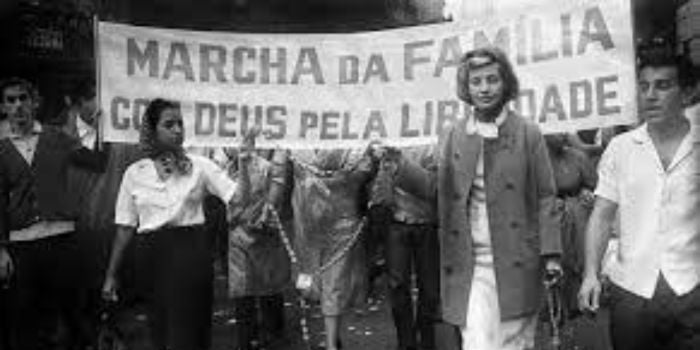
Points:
523	221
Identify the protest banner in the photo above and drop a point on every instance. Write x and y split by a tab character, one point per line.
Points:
575	61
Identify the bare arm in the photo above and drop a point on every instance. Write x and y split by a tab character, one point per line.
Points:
278	178
597	237
242	196
598	234
121	241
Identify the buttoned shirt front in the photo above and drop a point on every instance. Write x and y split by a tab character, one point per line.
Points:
659	211
26	144
147	202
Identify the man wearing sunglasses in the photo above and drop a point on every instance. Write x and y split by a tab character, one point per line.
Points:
38	257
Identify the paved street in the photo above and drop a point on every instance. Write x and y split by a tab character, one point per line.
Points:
365	328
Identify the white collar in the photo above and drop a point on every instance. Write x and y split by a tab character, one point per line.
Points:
83	127
641	133
487	130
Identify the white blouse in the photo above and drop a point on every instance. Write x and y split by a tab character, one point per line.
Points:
149	203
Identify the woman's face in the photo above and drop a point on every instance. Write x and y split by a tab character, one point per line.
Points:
169	130
486	88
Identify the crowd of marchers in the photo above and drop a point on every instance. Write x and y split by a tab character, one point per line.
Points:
488	223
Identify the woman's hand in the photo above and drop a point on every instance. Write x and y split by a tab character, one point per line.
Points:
588	198
109	289
248	143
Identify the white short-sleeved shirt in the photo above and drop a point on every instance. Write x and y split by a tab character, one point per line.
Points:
693	114
658	209
149	203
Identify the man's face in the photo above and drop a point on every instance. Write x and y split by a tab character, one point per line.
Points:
18	105
88	110
659	94
486	88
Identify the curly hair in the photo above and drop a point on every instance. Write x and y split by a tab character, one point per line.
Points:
148	136
492	54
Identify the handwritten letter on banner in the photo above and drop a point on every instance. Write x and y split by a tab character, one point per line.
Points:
575	63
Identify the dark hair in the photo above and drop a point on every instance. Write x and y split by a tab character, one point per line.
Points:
23	83
152	115
663	56
494	55
83	89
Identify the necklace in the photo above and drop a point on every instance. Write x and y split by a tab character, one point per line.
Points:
165	165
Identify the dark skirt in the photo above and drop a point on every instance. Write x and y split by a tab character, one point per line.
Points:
176	275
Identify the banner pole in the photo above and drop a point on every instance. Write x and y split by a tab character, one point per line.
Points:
98	80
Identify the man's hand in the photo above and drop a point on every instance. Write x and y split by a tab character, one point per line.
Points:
304	282
6	265
589	294
109	289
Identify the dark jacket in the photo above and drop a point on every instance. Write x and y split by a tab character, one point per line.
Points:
523	222
411	209
4	223
38	191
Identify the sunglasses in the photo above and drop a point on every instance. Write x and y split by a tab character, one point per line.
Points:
13	99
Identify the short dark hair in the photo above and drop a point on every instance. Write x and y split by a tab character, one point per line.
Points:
83	89
494	55
663	56
152	115
21	82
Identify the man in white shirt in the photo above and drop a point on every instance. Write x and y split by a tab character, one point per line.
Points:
650	176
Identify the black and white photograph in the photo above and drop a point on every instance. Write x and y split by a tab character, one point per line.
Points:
350	175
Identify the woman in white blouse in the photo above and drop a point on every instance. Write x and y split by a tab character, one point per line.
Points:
161	196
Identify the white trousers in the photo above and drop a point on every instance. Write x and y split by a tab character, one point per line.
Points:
484	329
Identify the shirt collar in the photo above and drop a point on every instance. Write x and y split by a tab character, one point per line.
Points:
695	132
83	127
36	130
641	134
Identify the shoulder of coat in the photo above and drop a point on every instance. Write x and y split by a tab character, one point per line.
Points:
530	126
